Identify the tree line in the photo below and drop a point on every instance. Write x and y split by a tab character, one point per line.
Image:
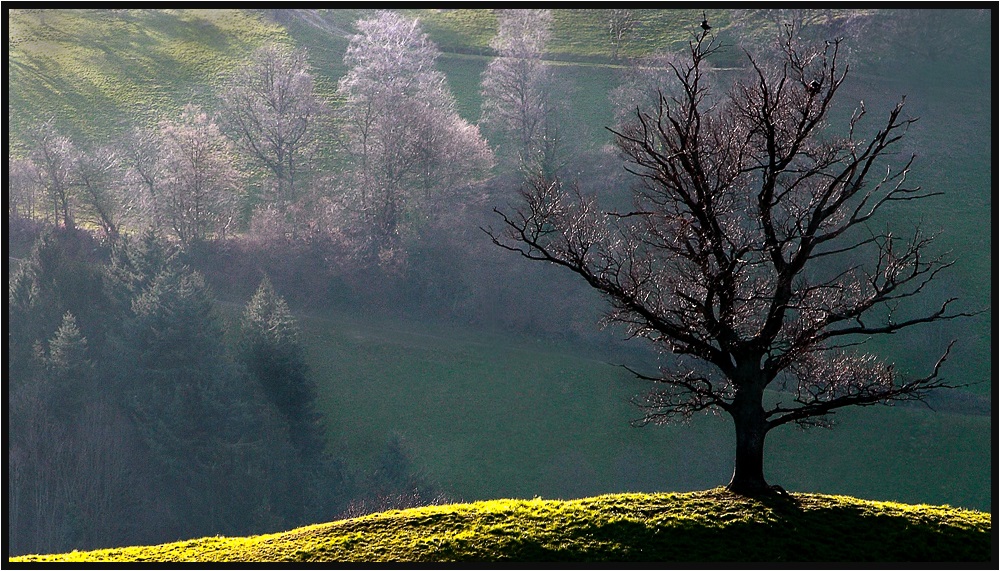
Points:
140	411
276	159
135	418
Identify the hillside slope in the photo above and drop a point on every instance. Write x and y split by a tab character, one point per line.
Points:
96	71
712	525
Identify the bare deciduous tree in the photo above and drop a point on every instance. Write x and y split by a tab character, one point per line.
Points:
401	130
519	107
98	178
752	253
621	26
53	156
642	82
140	153
270	110
198	193
23	188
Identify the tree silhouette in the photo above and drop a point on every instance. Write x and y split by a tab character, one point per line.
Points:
752	253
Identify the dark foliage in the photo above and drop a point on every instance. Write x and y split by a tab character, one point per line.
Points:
134	423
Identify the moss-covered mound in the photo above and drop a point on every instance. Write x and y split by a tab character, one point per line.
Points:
712	525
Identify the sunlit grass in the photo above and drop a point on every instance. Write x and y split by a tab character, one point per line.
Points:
90	69
711	525
466	31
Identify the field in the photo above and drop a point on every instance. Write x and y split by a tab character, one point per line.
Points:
90	69
490	416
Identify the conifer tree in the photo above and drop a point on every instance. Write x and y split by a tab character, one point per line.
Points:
269	348
69	372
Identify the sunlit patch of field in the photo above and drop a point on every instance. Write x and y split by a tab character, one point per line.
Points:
711	525
91	68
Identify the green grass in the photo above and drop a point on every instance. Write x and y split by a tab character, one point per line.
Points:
492	415
92	68
577	35
706	526
459	31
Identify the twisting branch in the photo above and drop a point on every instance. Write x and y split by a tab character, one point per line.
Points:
821	400
685	395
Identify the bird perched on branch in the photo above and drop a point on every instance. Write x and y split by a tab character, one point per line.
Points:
704	22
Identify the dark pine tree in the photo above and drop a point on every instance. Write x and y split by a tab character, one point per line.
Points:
269	347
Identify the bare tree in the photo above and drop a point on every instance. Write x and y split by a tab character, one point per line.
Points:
97	178
621	26
271	111
198	194
752	253
23	189
519	107
643	81
400	128
53	156
140	153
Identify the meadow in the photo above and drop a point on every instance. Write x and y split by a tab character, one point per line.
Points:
488	416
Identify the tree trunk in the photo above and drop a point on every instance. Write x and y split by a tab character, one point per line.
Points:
751	428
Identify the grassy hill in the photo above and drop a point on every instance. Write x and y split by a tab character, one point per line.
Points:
96	71
712	525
